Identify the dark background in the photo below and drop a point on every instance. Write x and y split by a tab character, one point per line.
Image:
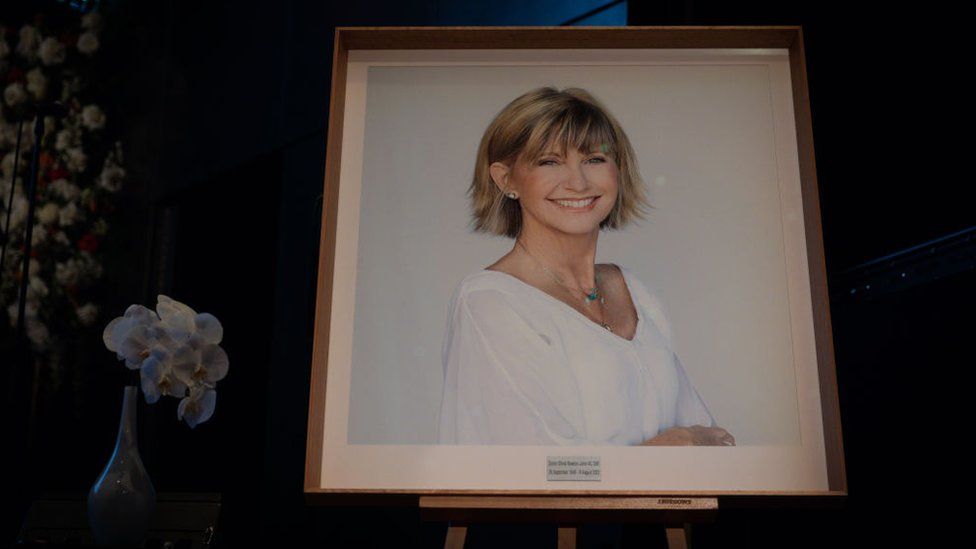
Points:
223	110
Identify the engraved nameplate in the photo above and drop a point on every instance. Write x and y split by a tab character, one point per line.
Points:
573	468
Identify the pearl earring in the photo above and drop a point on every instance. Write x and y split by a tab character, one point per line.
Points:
512	195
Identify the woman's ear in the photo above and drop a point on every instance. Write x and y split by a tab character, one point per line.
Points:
499	175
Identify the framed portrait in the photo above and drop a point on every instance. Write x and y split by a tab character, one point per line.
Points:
435	373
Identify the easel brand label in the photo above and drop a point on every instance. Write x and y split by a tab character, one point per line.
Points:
573	468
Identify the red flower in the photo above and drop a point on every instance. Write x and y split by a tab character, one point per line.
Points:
57	173
14	75
88	243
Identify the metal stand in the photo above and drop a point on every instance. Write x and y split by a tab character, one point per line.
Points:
676	513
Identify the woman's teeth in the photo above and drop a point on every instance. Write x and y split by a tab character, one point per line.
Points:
575	203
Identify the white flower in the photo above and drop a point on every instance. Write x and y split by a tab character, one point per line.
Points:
92	117
203	366
37	287
116	329
198	406
36	83
30	40
112	177
66	273
66	139
61	238
65	189
178	319
88	43
14	94
7	165
131	335
4	48
209	328
38	235
18	212
51	51
48	214
76	161
68	214
176	351
156	376
87	314
91	21
30	311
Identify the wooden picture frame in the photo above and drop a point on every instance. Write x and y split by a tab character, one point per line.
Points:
809	465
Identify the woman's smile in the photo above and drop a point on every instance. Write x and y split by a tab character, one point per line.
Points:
582	205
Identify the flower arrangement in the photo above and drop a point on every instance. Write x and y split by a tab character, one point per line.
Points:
177	353
80	170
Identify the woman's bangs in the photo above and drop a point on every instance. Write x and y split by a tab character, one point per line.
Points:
583	129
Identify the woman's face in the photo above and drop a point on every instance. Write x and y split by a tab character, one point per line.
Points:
571	194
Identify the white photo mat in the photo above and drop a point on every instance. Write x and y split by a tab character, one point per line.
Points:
779	459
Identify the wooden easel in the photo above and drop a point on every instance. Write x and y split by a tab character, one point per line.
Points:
676	513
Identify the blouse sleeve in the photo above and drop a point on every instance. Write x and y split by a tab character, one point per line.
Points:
691	410
504	382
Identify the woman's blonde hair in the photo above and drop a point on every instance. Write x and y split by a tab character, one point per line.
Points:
521	132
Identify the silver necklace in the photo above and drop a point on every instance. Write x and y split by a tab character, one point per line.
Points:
588	296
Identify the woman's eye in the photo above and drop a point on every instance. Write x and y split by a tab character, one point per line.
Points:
598	159
547	162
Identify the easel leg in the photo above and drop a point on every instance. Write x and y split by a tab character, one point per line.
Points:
679	538
566	538
455	537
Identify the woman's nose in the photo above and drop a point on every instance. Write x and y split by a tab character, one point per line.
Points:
576	180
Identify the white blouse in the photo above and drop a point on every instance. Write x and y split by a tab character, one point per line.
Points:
522	367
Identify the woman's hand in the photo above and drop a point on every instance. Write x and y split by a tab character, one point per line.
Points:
696	435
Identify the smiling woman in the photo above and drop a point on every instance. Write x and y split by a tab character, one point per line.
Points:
544	346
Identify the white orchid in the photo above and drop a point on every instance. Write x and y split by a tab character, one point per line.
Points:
131	335
157	377
176	352
198	406
201	366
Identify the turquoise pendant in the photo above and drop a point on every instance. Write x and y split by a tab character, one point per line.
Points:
592	294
